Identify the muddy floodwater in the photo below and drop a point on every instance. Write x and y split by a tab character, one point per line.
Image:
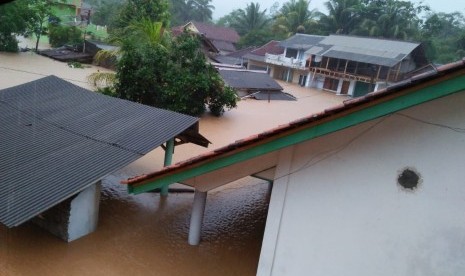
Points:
147	234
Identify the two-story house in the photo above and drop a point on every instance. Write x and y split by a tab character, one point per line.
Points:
346	65
290	66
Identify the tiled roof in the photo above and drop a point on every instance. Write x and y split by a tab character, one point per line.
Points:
217	32
223	45
314	119
271	47
58	138
242	52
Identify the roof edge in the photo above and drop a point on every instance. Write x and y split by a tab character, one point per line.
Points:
416	90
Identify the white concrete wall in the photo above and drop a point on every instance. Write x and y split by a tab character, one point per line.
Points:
341	211
84	212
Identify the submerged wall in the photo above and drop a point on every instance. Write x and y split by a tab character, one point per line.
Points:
74	217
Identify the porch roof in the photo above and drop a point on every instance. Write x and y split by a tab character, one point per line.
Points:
58	138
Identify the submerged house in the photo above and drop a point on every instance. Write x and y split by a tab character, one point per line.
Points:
223	38
256	58
373	186
58	141
346	65
247	82
291	65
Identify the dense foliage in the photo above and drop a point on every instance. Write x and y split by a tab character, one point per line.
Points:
135	10
183	11
177	77
443	34
14	19
60	35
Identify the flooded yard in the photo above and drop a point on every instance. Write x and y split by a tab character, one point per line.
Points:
147	234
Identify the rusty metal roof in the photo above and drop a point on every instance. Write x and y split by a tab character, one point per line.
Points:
58	138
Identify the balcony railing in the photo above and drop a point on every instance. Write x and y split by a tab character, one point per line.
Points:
285	61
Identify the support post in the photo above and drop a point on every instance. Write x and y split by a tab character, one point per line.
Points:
198	209
168	160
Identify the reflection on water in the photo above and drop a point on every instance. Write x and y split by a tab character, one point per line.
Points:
147	235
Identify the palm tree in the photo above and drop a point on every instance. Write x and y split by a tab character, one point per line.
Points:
249	19
295	16
390	19
203	10
343	16
143	32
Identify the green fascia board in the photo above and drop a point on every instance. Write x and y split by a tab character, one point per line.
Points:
419	96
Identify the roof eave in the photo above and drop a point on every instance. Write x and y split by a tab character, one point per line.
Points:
375	105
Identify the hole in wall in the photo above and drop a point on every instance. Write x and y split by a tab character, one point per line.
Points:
409	179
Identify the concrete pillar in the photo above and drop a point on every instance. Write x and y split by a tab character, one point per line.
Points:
84	212
168	160
198	209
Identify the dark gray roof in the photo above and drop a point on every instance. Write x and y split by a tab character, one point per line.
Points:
273	95
228	60
301	41
251	80
255	57
58	138
363	49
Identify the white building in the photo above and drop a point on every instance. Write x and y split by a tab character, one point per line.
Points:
371	187
346	65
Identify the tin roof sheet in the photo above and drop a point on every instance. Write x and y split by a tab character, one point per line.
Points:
58	138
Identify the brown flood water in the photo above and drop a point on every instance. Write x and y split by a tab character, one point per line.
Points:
146	234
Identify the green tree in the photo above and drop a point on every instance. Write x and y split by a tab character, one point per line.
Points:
136	10
183	11
106	12
227	20
249	19
390	19
203	10
14	20
443	36
342	18
194	83
257	38
60	35
40	12
295	16
156	70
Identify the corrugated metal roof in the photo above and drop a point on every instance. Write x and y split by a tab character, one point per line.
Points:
58	138
363	49
374	44
252	80
370	58
301	41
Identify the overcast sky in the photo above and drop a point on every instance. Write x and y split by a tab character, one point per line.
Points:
223	7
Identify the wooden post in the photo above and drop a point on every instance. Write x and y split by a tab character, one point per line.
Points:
377	75
398	71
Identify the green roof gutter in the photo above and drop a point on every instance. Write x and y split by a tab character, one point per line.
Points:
422	95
